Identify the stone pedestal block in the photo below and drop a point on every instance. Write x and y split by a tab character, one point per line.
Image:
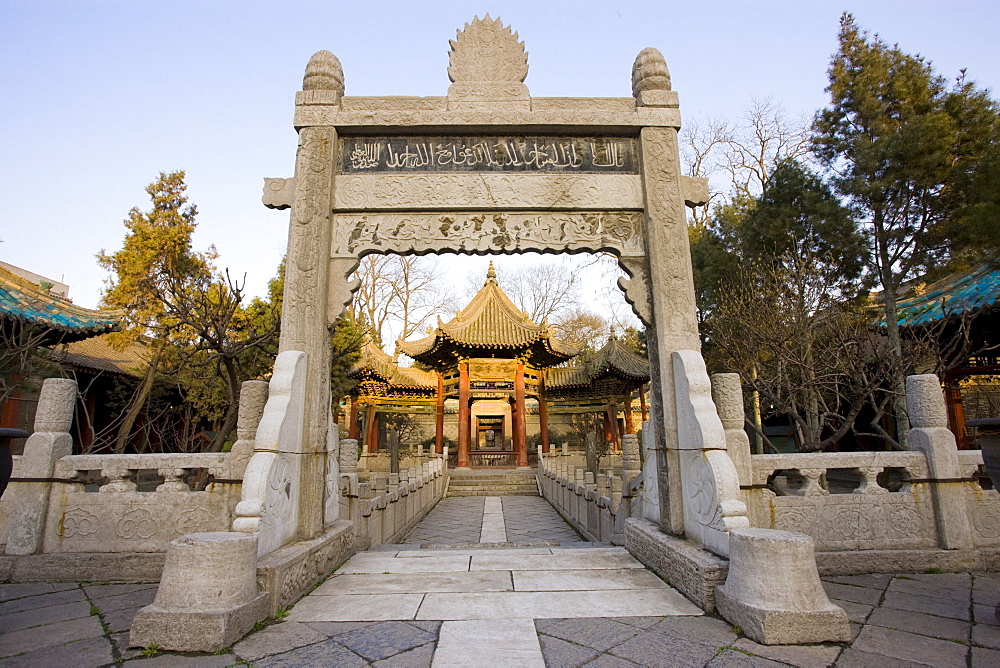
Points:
208	597
773	591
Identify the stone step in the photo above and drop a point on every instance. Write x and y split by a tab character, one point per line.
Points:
505	492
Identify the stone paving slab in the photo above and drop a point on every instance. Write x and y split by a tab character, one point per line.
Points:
357	607
541	605
417	583
570	561
470	643
366	563
460	552
586	580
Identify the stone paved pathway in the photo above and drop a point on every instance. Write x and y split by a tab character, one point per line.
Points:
555	603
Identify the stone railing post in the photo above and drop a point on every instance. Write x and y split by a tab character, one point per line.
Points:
930	435
253	397
49	442
727	393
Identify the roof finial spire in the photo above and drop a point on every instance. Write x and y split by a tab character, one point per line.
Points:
491	273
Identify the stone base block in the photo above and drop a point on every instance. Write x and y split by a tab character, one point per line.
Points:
202	631
288	573
692	570
784	627
907	561
84	567
6	567
773	591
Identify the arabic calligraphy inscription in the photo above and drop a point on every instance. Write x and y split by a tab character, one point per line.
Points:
497	154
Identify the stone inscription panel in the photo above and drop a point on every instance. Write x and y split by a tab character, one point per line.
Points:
618	231
489	154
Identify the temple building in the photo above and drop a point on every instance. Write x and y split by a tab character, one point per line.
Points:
497	387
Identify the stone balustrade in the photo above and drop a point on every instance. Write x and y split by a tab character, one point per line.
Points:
594	505
386	507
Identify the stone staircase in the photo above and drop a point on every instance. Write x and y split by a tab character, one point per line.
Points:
486	482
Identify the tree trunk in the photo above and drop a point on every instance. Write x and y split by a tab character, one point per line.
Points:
888	278
125	431
229	422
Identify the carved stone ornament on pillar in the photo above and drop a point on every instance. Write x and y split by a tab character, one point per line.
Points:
711	487
270	497
488	66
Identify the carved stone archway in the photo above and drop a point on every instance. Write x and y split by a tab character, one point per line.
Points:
490	169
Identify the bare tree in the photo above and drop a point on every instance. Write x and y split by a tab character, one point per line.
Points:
547	289
764	137
399	294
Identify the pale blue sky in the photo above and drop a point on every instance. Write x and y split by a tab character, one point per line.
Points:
99	97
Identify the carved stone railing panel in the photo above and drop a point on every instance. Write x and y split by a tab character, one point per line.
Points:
491	191
357	234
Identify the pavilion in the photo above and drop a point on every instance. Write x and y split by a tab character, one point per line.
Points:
494	367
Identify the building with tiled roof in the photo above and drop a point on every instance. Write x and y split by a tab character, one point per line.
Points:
494	367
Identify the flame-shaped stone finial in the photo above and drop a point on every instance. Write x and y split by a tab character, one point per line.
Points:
649	72
486	50
323	72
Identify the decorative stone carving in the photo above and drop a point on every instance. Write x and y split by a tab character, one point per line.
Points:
119	481
323	82
349	455
619	232
270	494
173	481
636	287
925	402
712	505
136	523
649	72
278	193
487	62
78	522
695	189
631	463
651	80
488	191
55	405
331	492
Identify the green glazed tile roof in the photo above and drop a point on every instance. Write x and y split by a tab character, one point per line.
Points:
956	293
22	300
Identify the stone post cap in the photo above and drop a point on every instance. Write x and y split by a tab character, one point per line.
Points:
55	405
925	402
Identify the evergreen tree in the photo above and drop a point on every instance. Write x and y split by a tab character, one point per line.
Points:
898	142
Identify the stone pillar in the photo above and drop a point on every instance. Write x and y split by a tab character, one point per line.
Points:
520	441
306	316
253	397
631	465
727	393
208	596
463	414
670	277
439	417
930	435
642	403
50	441
543	417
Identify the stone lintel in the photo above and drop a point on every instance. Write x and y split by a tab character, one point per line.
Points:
415	115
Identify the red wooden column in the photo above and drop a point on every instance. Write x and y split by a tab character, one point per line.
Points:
642	403
629	422
543	416
520	443
610	428
463	414
439	418
354	428
956	411
371	429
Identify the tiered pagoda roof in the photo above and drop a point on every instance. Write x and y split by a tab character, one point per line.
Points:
615	368
64	322
376	364
490	326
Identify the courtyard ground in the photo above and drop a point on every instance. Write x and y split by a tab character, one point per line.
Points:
495	581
